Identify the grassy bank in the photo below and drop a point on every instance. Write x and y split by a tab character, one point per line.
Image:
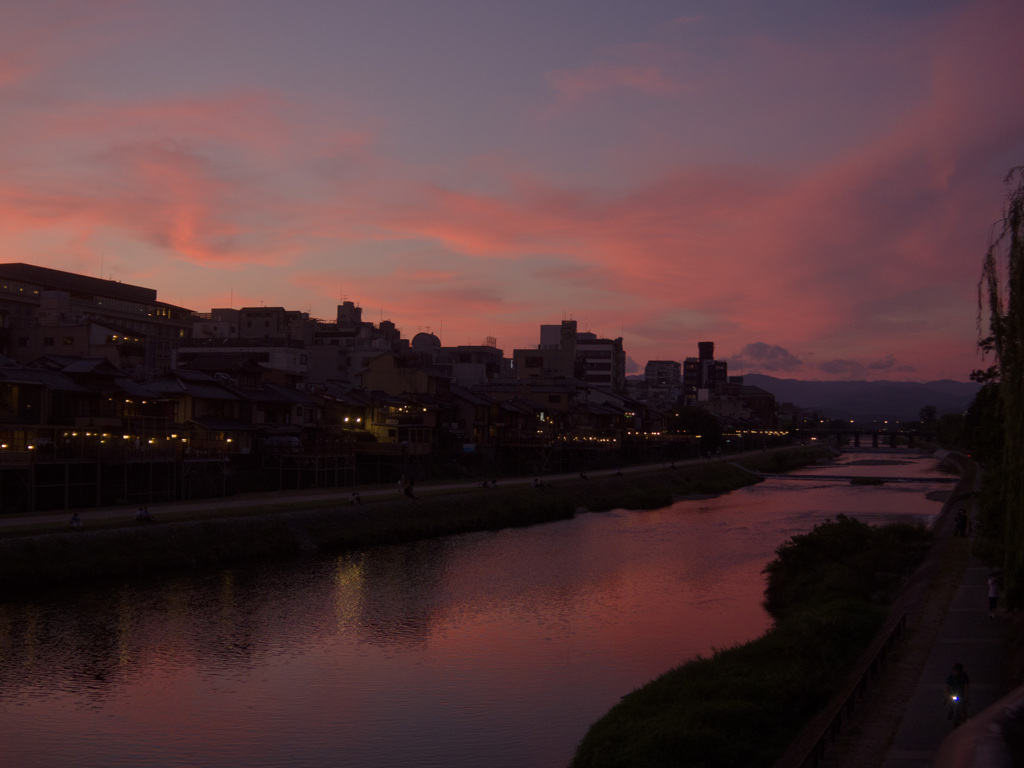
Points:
828	593
115	549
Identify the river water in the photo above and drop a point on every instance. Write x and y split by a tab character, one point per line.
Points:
495	649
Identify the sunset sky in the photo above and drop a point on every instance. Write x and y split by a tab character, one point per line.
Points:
811	185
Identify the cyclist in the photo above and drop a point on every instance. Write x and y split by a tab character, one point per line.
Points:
958	691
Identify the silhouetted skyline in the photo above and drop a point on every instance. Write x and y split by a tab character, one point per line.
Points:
811	186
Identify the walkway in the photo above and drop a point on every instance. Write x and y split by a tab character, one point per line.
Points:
969	636
313	496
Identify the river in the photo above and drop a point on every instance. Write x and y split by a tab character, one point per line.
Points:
495	649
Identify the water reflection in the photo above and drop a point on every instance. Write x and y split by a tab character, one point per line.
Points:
491	648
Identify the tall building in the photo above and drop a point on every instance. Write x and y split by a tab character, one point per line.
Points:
49	312
602	361
703	373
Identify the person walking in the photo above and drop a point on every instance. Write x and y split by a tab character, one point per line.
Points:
993	594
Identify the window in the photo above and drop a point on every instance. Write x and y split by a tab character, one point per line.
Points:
48	341
533	361
69	341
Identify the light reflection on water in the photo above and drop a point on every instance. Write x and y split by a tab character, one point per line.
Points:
494	649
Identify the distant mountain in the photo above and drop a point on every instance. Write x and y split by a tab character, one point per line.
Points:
868	400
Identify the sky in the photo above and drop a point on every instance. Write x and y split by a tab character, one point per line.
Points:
810	185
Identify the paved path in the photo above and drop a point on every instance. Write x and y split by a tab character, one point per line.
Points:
316	496
968	636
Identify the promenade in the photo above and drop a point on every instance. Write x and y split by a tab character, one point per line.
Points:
968	636
296	499
903	722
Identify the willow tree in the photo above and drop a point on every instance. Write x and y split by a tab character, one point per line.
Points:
1001	301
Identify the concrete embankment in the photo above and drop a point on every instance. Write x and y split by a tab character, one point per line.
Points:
134	549
167	547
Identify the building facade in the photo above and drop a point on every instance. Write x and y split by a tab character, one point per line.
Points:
46	311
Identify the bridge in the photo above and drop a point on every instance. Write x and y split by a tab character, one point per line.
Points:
891	436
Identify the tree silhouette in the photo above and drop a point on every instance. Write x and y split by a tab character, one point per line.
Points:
1001	301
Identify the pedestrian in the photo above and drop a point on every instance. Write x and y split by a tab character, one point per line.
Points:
76	521
993	594
960	529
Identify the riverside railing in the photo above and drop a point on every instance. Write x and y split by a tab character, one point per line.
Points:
809	751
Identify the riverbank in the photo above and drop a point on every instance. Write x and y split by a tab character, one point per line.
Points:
746	705
116	549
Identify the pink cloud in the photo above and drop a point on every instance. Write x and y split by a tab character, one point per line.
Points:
813	254
213	191
163	193
38	37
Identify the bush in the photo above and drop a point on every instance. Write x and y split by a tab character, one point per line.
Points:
844	558
745	705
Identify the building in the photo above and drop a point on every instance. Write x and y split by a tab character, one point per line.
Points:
703	373
663	373
564	352
602	361
342	349
662	382
554	357
274	337
49	312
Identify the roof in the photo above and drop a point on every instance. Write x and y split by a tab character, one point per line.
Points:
342	394
469	396
57	280
54	380
515	405
69	364
224	362
273	393
222	425
175	385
